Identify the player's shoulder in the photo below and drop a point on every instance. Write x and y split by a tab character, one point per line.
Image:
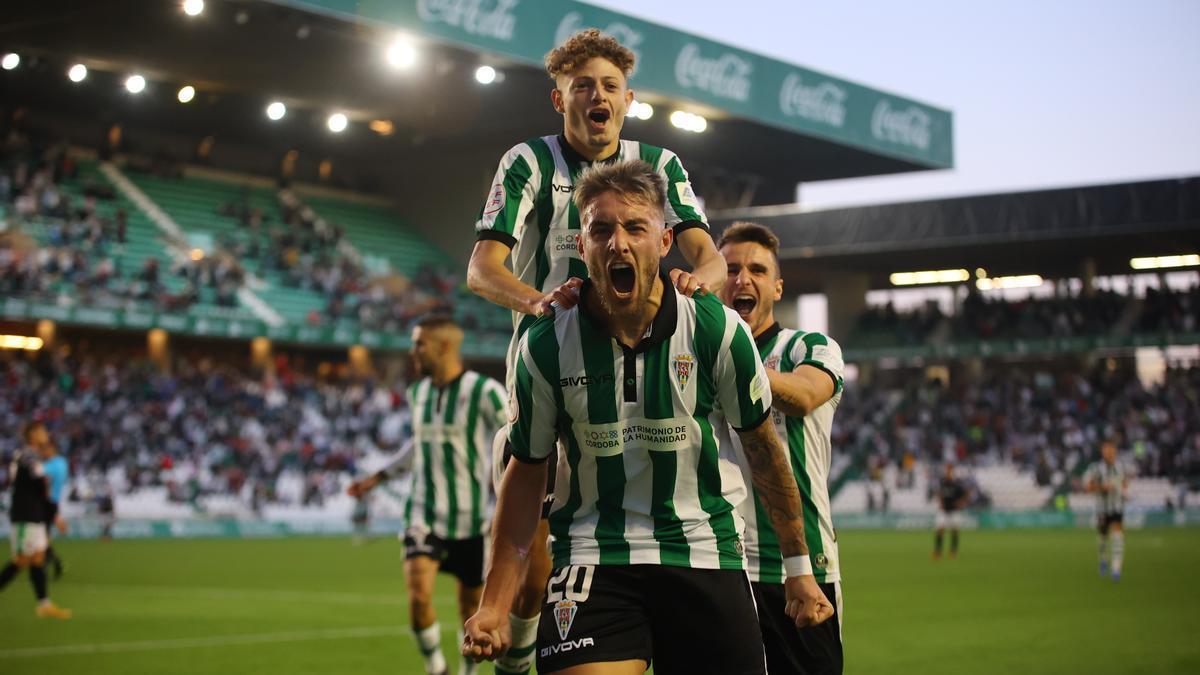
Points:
529	149
655	155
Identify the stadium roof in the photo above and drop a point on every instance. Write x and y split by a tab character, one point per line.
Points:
772	124
1046	232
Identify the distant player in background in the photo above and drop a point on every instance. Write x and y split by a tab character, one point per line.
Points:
952	494
456	413
530	218
27	513
57	473
107	509
1110	481
805	373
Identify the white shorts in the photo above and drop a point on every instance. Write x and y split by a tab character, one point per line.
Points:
28	538
950	519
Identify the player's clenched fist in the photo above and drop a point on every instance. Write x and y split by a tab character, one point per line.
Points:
486	635
687	284
806	603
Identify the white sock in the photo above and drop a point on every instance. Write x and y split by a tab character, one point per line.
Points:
1118	552
520	656
429	640
465	666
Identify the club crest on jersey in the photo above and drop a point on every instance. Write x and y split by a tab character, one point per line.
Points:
684	363
564	615
495	201
772	362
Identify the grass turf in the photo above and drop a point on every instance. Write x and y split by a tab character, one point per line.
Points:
1014	601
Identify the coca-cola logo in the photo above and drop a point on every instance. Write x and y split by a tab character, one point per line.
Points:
909	126
824	102
727	76
572	23
486	18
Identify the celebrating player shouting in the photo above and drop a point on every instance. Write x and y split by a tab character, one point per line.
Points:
805	371
638	382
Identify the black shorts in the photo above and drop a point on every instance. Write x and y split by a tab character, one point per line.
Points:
1107	520
815	650
51	513
462	558
681	620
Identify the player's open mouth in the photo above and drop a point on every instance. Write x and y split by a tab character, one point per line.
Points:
622	277
744	304
598	118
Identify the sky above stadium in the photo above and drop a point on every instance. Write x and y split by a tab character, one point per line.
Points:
1044	94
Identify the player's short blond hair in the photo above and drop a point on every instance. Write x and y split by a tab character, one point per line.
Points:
633	180
743	231
585	46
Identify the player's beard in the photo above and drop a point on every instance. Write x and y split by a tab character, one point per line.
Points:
629	307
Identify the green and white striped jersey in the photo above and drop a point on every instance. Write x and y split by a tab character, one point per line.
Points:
449	494
1113	477
529	208
644	478
810	452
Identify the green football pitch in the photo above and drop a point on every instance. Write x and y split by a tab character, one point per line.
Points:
1013	602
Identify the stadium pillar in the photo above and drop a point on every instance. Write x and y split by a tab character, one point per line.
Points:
158	347
260	354
846	295
1087	274
359	359
46	330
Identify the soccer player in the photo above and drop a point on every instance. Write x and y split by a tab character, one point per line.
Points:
27	513
805	372
638	382
952	496
529	216
1110	481
57	473
456	412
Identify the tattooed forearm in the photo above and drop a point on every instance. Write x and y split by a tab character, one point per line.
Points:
775	486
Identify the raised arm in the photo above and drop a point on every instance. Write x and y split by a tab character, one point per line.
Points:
708	267
801	391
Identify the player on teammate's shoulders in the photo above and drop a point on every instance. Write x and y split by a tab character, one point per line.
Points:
805	372
638	381
456	412
1109	480
952	495
530	217
29	505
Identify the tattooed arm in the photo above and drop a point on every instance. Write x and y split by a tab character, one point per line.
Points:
775	488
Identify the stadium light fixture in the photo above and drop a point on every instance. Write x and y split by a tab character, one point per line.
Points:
186	93
689	121
21	342
382	127
77	73
135	84
401	53
1022	281
11	60
1165	261
337	123
639	110
485	74
276	111
193	7
929	277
